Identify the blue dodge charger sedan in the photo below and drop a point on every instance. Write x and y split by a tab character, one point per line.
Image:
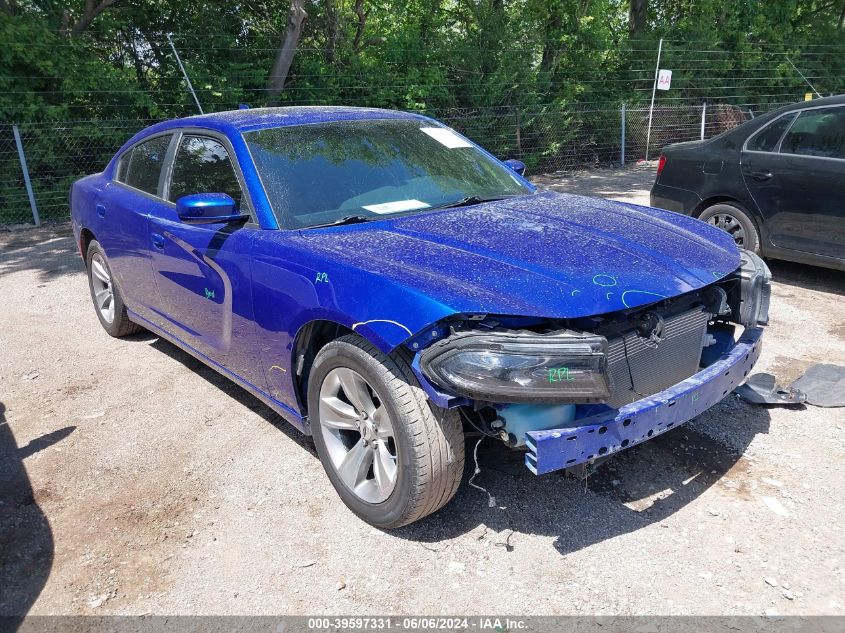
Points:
385	285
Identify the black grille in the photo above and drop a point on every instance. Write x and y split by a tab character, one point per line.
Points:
655	368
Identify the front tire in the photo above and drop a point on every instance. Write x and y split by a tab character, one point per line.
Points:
392	456
736	222
108	302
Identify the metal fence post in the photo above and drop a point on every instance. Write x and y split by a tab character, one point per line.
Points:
26	180
653	92
703	118
185	74
622	143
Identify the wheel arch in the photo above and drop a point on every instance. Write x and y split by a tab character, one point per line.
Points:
702	206
310	338
86	236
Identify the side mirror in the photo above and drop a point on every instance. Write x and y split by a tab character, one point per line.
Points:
516	165
208	208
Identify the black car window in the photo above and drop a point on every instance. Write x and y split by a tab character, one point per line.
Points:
141	167
767	139
203	166
817	133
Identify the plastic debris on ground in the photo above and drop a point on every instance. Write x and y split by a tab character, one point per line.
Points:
824	385
762	389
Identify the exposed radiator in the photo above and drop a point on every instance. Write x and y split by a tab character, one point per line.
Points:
653	368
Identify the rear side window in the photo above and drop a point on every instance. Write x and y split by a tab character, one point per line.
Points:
203	166
122	164
817	133
140	167
767	139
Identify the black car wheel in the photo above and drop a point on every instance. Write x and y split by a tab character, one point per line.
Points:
392	456
736	222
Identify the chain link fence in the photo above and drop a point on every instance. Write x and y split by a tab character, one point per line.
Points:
547	140
54	155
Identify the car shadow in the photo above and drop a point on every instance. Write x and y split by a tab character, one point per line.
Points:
632	490
26	540
50	251
808	277
228	387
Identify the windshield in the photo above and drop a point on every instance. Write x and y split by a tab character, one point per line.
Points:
324	173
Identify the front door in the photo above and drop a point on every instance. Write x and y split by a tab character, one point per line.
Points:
800	186
203	271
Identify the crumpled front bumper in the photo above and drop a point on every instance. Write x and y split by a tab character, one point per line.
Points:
614	430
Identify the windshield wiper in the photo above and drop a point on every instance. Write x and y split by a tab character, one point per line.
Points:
346	219
469	201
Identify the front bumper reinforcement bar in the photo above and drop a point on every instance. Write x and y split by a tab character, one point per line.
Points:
605	433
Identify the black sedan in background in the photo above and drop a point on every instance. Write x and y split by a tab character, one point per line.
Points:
776	183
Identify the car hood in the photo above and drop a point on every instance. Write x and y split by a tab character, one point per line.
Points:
547	255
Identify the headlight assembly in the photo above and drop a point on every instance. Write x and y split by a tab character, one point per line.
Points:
509	366
750	306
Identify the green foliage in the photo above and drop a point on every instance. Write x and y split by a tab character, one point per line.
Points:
532	78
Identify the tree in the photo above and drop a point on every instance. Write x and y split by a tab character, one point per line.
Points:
637	16
287	50
92	10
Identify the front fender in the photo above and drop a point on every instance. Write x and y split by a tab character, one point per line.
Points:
293	286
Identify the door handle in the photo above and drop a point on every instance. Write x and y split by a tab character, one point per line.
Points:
101	210
158	241
761	175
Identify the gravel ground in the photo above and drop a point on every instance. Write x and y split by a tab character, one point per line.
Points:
135	480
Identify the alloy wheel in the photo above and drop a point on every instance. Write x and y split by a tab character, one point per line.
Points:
358	434
103	290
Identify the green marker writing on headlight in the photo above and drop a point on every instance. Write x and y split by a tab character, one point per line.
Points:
560	374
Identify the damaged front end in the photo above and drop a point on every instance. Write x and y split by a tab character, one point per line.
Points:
571	391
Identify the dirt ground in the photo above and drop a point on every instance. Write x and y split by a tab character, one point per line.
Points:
135	480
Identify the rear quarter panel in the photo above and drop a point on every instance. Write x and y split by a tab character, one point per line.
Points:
712	171
84	194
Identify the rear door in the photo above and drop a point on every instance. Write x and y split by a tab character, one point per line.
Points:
799	186
124	210
203	271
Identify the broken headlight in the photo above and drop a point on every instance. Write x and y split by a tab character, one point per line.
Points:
750	302
512	366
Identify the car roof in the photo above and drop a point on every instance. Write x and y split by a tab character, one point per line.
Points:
260	118
814	103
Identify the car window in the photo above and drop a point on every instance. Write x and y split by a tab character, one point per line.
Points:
122	164
203	166
767	139
141	167
817	133
319	174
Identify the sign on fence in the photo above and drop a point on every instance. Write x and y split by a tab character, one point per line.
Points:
664	79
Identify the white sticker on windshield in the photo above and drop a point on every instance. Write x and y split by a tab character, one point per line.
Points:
396	207
446	137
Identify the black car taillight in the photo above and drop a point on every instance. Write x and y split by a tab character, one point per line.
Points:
661	164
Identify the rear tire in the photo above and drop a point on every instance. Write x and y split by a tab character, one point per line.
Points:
388	417
736	222
108	302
